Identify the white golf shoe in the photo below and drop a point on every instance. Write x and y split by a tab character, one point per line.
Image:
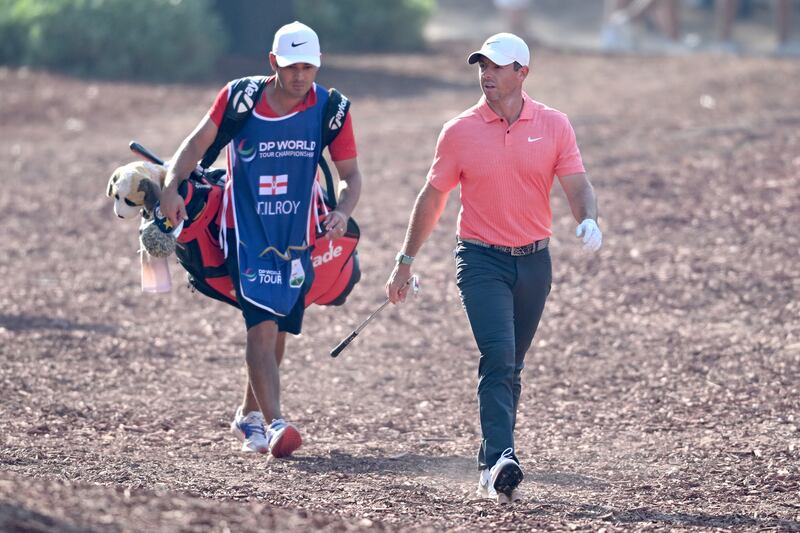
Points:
501	482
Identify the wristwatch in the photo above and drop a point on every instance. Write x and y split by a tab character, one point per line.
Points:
403	259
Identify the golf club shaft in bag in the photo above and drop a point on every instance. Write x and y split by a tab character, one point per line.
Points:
153	158
144	152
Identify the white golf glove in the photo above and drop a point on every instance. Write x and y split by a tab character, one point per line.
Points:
592	237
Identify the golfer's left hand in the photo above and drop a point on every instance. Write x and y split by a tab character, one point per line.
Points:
591	234
336	224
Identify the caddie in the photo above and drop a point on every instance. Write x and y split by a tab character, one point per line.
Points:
268	216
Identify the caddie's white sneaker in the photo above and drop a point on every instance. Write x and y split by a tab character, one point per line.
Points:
506	474
283	438
250	430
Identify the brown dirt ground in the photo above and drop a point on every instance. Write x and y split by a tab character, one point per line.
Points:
662	390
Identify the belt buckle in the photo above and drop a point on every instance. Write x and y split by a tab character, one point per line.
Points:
517	251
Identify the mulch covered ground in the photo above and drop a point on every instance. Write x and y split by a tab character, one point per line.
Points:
662	390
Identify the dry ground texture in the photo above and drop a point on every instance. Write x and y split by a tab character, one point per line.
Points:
662	390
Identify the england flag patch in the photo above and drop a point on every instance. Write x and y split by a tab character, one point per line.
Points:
273	185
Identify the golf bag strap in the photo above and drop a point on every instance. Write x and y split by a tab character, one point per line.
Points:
332	122
335	114
245	93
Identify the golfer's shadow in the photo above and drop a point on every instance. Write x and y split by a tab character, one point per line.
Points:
454	467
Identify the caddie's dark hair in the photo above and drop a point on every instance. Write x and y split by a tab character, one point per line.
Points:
517	66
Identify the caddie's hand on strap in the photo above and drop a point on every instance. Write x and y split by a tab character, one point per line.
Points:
173	206
336	224
591	234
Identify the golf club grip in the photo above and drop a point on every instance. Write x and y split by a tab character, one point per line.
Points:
342	345
141	150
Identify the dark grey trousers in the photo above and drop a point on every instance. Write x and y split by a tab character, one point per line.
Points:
503	297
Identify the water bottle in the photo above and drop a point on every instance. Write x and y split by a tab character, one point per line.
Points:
155	273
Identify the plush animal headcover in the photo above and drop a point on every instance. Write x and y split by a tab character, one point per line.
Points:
135	186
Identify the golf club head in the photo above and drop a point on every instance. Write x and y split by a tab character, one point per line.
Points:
413	285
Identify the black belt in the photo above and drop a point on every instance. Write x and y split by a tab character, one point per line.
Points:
528	249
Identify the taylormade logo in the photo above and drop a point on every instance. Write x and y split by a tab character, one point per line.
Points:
330	255
336	120
243	100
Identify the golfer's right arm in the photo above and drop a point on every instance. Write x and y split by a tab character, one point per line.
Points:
182	164
427	210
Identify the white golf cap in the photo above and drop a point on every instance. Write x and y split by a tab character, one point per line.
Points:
296	43
503	49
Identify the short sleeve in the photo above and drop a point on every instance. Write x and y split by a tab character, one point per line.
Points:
343	147
217	110
569	156
445	171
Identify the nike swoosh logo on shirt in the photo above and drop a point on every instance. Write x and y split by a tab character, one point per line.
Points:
295	45
532	140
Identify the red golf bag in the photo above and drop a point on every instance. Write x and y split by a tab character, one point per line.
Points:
335	261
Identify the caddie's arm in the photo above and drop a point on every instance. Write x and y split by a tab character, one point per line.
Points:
349	193
181	166
427	210
583	203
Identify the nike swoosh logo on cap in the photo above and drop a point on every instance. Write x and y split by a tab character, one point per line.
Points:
295	45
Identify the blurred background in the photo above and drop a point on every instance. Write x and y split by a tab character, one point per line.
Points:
177	40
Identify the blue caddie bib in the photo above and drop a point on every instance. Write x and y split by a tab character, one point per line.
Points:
273	166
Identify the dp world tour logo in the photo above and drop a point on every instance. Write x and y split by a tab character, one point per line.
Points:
246	151
249	274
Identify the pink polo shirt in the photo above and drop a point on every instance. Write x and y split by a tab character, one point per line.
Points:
505	173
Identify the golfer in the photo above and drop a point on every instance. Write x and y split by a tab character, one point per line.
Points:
504	152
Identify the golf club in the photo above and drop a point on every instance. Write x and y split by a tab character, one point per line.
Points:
413	281
141	150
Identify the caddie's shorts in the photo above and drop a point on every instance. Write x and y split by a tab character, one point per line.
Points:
254	315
